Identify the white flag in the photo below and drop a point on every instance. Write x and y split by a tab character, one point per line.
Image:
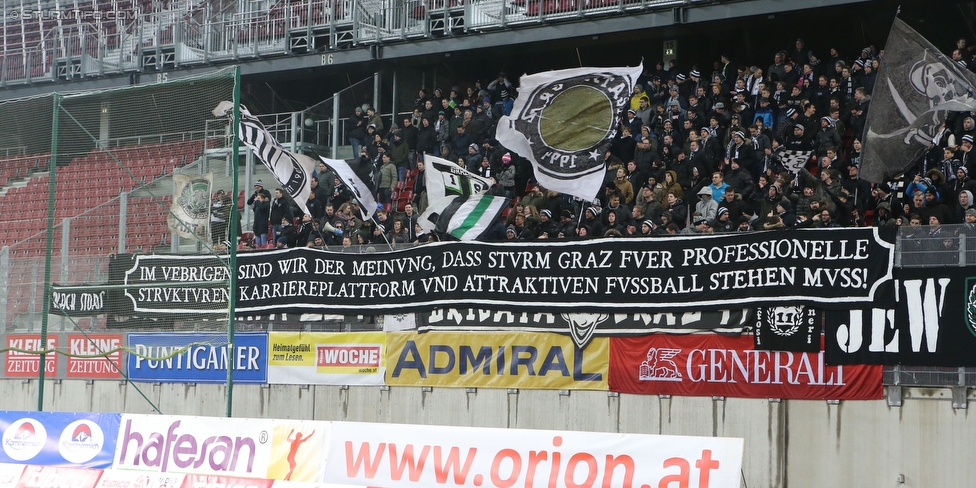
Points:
359	180
458	203
446	180
468	217
794	160
563	123
292	170
189	214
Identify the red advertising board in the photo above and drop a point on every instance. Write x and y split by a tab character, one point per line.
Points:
715	365
86	360
207	481
27	364
58	477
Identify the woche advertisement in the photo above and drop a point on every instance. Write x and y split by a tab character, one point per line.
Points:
327	358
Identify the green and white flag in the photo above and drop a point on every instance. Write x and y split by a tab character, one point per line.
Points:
189	214
458	201
468	217
563	123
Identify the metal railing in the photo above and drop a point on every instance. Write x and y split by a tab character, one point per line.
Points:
179	38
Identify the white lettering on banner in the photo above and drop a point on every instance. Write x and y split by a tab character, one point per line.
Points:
197	357
414	264
91	366
191	273
778	248
327	289
21	363
78	302
729	366
388	455
183	295
90	346
254	271
924	300
348	355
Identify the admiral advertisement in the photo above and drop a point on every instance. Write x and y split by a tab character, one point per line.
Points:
422	456
59	439
495	360
200	357
927	319
715	365
835	267
327	358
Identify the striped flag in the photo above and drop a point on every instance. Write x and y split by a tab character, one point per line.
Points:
468	217
459	203
794	160
292	170
359	180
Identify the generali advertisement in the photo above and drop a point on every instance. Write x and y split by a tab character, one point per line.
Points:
714	365
415	456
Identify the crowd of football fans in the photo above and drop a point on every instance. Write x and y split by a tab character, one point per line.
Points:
698	151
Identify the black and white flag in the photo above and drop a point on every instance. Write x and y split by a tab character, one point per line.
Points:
292	170
794	160
788	328
563	123
358	176
458	201
189	214
916	87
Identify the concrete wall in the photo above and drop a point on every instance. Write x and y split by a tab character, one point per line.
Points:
788	443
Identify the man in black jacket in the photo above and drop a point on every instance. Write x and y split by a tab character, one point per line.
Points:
356	130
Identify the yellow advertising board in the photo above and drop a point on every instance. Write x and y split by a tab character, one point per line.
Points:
496	360
326	358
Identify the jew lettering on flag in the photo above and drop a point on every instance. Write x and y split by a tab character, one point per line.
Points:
563	122
189	214
794	160
359	180
292	170
458	200
916	87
